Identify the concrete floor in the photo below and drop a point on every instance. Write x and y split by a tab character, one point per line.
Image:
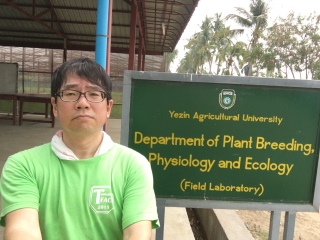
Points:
14	138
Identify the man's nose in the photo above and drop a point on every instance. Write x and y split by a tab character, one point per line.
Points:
82	101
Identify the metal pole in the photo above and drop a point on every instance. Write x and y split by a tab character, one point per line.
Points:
102	35
161	204
288	231
108	56
274	228
102	32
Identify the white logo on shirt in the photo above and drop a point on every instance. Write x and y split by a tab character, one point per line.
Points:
101	199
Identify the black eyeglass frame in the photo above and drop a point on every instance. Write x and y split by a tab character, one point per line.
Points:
104	95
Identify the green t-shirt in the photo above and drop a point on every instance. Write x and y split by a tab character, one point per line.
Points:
93	198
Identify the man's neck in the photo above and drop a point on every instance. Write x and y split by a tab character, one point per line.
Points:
83	147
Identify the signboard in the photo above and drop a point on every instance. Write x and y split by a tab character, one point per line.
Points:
225	139
8	78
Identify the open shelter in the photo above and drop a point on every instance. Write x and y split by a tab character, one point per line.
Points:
39	35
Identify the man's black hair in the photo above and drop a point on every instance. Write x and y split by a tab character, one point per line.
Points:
86	69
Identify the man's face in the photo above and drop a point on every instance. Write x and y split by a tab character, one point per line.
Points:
81	116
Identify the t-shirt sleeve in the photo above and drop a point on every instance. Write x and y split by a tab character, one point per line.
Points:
18	186
139	199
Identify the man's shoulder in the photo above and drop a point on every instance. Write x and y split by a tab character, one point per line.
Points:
32	152
129	155
36	149
126	150
29	159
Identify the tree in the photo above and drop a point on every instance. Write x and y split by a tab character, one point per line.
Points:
223	48
308	47
211	46
187	65
199	46
169	58
295	46
257	21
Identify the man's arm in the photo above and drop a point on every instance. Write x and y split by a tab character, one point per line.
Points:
22	224
138	231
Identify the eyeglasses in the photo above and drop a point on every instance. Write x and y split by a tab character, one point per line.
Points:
73	95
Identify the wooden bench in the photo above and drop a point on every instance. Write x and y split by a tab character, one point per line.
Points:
37	98
14	99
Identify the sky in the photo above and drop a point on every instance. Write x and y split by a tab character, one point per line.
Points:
277	8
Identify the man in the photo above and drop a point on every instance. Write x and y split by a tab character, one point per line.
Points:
82	185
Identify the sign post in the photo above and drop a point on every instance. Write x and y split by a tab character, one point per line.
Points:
226	142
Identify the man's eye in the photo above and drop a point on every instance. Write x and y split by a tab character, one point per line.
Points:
94	94
69	93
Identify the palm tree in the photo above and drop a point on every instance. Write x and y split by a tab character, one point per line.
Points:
209	45
257	21
234	56
169	58
224	47
199	46
187	65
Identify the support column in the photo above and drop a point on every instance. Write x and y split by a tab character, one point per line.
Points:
109	38
140	53
143	60
102	32
132	35
288	231
274	228
64	50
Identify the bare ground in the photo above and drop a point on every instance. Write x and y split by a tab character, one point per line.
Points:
307	225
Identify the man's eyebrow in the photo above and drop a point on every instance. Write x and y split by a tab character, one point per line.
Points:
69	86
73	86
94	87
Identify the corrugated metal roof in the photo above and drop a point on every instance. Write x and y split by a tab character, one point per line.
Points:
47	23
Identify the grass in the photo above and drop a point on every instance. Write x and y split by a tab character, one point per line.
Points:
257	232
117	97
116	112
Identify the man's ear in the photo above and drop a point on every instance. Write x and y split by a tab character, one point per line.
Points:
54	106
109	107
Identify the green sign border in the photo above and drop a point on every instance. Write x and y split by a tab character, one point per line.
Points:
130	76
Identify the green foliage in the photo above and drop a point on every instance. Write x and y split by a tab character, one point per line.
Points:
211	46
294	42
287	49
170	57
116	112
117	97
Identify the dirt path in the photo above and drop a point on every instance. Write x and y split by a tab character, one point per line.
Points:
307	225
